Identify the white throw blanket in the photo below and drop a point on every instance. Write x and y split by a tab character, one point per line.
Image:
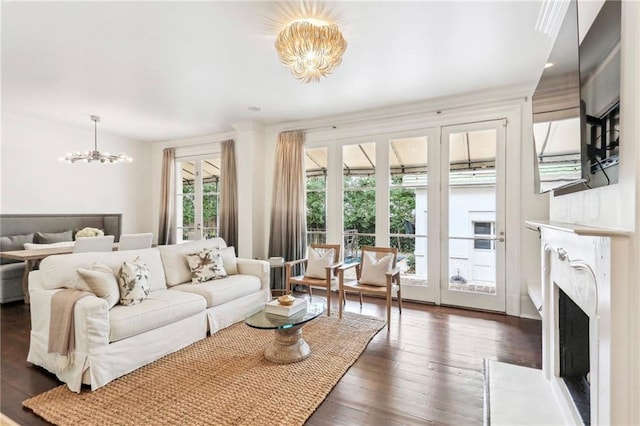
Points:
61	325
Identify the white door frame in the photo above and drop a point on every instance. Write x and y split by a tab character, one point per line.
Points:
495	302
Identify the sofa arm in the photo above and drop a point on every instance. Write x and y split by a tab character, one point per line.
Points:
258	268
91	316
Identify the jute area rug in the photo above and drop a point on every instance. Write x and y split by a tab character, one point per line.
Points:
221	380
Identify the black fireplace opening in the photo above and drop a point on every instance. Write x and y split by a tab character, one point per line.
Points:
574	353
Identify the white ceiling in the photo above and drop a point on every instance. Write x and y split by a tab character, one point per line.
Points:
166	70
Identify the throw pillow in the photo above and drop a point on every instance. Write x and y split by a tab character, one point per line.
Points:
53	237
14	242
134	282
373	270
206	265
229	260
102	282
317	262
34	246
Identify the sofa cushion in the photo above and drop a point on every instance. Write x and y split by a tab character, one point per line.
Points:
224	290
53	237
133	280
160	308
174	258
60	271
206	265
229	260
11	270
13	242
102	282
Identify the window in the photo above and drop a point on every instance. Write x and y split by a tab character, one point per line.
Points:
316	184
408	203
359	186
484	230
197	198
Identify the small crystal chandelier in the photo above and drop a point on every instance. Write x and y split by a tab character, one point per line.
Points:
310	48
95	155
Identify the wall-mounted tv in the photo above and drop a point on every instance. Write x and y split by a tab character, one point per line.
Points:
576	105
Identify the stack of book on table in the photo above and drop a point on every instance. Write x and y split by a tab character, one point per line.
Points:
274	307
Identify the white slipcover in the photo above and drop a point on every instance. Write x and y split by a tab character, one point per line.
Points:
111	343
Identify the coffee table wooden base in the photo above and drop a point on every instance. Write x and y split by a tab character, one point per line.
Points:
288	346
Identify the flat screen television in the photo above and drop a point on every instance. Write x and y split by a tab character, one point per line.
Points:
576	105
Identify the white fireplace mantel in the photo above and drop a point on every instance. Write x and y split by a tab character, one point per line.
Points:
588	263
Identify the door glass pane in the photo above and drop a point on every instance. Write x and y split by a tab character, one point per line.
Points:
210	196
316	182
359	202
197	199
408	207
185	211
472	211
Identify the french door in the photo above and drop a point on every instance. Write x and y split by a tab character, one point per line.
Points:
437	194
472	215
197	197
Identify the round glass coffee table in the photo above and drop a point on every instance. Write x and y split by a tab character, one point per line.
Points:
288	345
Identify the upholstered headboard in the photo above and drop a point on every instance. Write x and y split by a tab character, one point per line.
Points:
18	224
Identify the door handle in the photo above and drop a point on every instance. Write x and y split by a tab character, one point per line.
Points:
501	239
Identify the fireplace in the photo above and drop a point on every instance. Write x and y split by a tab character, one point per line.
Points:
585	313
573	355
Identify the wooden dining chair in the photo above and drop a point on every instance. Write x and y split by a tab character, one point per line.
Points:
320	268
376	274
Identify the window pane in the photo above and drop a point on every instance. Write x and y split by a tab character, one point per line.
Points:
482	244
210	171
210	211
472	189
188	175
208	233
482	228
187	218
316	183
408	206
359	202
186	234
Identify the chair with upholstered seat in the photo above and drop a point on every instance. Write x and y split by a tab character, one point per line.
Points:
91	244
135	241
320	265
376	274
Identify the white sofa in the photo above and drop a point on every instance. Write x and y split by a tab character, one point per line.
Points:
110	343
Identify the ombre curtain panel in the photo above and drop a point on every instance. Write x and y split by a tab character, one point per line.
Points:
166	231
229	195
288	218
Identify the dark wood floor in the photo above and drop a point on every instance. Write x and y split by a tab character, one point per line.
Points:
427	369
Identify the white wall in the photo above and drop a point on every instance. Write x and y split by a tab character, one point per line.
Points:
35	181
616	207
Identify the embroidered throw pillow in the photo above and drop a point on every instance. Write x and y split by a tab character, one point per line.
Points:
373	270
206	265
133	280
316	263
102	282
